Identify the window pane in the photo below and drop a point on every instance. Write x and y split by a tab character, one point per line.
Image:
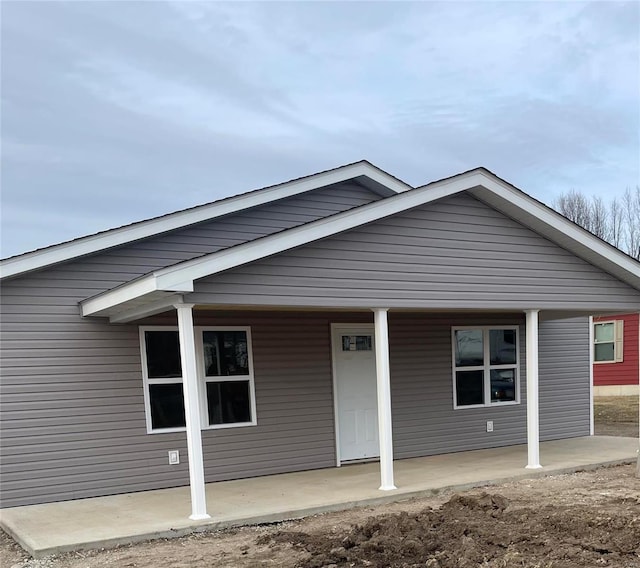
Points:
163	354
503	385
604	331
604	352
225	353
468	347
167	406
357	343
229	402
503	346
469	387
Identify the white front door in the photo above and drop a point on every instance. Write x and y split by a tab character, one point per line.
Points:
354	364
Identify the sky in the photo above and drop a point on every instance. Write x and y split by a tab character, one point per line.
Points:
114	112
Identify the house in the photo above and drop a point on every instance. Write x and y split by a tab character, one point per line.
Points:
340	317
616	363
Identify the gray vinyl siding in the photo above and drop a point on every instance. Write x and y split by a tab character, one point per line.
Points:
71	398
177	246
71	395
424	420
78	429
107	269
72	433
454	253
564	378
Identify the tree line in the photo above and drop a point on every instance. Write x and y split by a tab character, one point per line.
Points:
616	220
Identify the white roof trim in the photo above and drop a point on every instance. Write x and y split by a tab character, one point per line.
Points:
115	237
151	308
180	277
147	285
197	268
480	183
557	228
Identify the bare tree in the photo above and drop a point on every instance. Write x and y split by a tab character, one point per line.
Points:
631	216
575	206
617	222
599	222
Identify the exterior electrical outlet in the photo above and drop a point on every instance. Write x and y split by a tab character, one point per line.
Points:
174	457
489	425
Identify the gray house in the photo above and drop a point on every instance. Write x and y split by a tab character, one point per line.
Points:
340	317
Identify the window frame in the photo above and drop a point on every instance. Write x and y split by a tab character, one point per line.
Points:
202	378
152	381
617	341
486	367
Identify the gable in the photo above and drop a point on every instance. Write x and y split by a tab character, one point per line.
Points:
161	288
453	253
119	265
363	173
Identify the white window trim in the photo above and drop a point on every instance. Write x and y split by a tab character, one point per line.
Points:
148	381
202	380
486	367
618	342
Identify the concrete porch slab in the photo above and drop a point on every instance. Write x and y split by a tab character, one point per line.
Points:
120	519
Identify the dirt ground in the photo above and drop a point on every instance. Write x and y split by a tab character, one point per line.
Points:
616	416
565	521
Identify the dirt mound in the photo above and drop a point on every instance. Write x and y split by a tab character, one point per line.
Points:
479	530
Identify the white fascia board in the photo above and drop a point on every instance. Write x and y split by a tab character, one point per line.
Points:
107	300
384	179
148	309
182	276
558	223
116	237
102	304
167	278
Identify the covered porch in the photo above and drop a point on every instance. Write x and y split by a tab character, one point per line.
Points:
119	519
188	315
480	299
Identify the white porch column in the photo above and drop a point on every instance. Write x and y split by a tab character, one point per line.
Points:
192	411
383	378
533	422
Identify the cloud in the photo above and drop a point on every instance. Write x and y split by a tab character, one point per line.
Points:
118	112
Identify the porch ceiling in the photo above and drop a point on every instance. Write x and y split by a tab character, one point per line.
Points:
158	302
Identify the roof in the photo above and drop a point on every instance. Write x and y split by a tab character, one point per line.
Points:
363	172
160	288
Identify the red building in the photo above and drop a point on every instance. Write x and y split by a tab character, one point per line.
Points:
616	364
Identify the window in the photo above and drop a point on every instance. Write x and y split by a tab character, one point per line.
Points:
485	366
225	373
228	382
607	341
161	362
357	343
